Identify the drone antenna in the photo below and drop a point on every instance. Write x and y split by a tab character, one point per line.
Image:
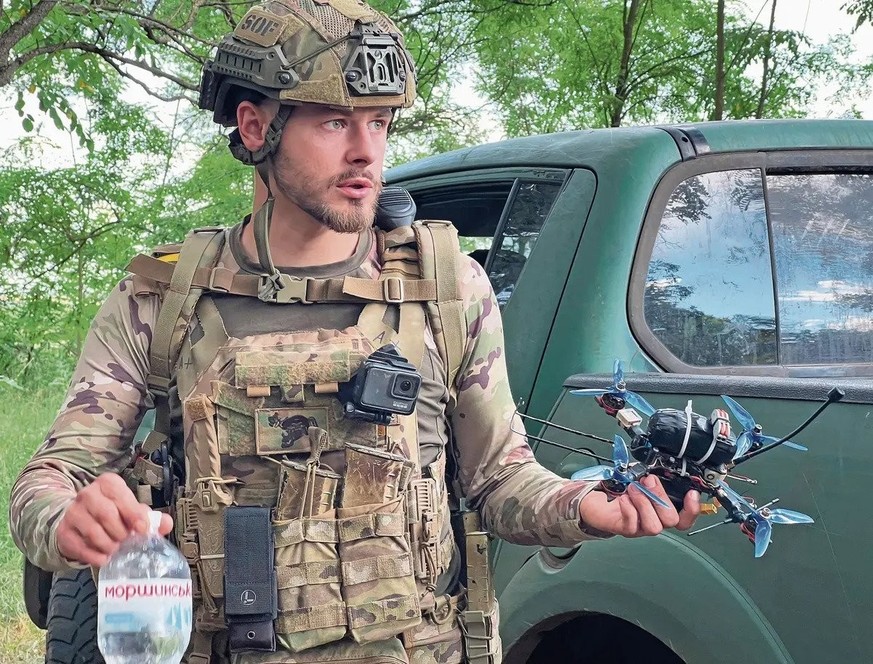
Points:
833	396
563	428
709	527
579	450
742	478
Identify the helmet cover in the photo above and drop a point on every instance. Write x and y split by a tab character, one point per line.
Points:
339	53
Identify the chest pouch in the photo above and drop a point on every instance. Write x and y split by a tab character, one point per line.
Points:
249	579
311	607
378	582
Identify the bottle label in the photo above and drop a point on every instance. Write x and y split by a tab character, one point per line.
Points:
131	605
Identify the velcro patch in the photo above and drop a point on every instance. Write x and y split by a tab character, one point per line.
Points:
286	430
260	27
269	367
354	10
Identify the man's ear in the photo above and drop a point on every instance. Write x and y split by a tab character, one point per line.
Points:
253	120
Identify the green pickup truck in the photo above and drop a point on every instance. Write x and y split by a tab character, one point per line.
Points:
728	258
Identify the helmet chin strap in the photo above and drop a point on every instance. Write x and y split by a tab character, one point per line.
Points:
272	282
263	217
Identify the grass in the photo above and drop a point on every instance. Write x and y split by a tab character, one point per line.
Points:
25	417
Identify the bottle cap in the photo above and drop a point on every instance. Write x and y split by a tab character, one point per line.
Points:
154	522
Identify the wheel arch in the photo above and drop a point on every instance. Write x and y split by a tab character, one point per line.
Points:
664	585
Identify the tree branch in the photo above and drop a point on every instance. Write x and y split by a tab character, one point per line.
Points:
147	89
644	75
20	29
7	72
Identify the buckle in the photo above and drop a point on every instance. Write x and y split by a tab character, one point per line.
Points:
158	385
280	288
219	288
392	290
210	495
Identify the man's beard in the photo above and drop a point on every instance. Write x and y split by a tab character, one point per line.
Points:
309	197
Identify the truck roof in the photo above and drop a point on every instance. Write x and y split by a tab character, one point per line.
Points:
585	148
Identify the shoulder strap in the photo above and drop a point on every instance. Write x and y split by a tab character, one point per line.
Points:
200	249
423	257
439	259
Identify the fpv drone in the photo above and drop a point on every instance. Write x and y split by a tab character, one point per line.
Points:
686	451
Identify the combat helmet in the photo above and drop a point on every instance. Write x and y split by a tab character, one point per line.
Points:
339	53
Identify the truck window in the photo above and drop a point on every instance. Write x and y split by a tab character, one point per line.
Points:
740	277
519	233
498	222
709	294
475	210
822	227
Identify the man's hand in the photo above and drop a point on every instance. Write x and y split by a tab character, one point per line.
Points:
633	515
100	518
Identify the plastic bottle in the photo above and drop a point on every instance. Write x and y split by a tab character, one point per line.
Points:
144	601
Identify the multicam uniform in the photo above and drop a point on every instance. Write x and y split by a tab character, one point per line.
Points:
519	500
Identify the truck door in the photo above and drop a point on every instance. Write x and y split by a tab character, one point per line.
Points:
513	222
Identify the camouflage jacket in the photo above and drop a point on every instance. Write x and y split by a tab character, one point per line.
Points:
520	501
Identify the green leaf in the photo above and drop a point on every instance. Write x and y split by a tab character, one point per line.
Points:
27	123
19	104
53	114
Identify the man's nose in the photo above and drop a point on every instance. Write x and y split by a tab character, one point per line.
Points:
362	145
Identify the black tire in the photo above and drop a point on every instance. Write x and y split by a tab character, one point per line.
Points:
71	631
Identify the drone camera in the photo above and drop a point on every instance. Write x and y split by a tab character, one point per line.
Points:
628	418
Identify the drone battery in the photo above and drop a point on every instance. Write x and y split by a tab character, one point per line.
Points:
708	441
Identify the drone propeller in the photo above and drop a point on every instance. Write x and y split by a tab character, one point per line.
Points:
764	531
751	435
761	519
617	473
619	390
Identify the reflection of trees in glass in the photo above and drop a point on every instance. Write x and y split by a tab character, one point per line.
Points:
823	243
701	339
688	203
745	191
529	210
532	203
703	296
827	346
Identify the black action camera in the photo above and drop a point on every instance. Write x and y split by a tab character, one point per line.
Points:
384	385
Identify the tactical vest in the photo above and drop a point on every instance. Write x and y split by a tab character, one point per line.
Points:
356	554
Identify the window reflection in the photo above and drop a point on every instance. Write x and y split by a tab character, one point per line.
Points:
823	245
529	210
709	293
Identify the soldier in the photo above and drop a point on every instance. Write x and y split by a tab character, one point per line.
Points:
352	501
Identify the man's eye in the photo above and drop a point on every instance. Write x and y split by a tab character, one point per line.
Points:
336	124
379	124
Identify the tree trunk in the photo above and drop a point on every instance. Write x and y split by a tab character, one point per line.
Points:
718	109
80	302
621	92
765	76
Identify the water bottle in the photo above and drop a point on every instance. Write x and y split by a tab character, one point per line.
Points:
144	601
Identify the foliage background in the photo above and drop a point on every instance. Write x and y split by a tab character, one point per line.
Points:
115	157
